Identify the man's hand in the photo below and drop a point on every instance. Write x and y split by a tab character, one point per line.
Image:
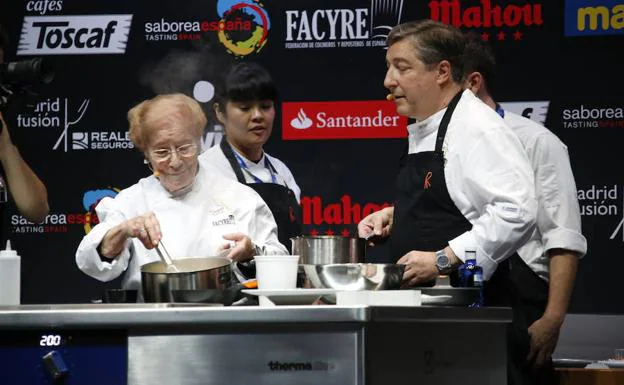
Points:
420	267
376	225
544	334
241	245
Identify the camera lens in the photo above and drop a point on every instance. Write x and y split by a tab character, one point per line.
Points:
26	72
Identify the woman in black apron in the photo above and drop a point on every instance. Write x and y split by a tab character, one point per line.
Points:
246	108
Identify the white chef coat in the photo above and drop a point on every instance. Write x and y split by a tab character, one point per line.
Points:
192	225
488	177
214	157
558	214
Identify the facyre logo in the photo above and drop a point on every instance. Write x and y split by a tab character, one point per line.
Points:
593	17
497	21
536	111
67	35
63	114
344	27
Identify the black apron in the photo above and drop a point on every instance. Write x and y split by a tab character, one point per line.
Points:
280	199
425	218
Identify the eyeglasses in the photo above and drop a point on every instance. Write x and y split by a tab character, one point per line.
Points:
183	151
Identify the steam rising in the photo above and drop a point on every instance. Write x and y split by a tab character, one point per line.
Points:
181	70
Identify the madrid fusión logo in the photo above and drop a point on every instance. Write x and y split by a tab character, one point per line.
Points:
69	116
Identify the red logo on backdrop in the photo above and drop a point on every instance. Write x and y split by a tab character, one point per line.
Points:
344	212
342	120
488	15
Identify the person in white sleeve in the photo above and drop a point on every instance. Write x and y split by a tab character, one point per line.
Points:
553	251
245	105
465	182
194	210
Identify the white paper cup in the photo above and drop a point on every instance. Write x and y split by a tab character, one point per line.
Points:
276	271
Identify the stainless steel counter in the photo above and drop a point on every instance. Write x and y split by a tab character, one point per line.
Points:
170	315
194	344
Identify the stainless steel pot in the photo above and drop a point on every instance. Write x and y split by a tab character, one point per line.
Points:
193	274
328	249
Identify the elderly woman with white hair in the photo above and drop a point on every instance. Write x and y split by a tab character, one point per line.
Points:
194	211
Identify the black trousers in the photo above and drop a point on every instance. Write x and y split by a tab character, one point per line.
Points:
514	284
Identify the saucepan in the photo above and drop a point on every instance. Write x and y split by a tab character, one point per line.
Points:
206	273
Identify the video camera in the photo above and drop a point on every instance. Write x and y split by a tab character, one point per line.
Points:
19	76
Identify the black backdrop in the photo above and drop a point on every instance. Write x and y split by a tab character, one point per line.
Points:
555	67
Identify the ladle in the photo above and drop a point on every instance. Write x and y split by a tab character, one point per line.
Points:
166	258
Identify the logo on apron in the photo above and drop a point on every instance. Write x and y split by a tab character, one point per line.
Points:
427	180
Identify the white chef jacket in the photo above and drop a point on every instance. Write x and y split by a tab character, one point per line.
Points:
558	214
488	177
214	157
192	225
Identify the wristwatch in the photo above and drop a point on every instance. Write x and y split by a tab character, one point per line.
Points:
443	262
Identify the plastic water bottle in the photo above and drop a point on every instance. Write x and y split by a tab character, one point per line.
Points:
478	282
472	275
466	270
10	270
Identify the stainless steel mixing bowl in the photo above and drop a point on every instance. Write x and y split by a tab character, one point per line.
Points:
326	249
354	276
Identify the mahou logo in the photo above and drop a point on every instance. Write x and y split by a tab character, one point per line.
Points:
68	35
344	212
342	120
488	15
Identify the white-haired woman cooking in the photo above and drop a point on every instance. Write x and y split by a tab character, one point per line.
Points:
194	211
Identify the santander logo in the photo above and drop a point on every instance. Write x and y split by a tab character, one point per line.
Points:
342	120
301	122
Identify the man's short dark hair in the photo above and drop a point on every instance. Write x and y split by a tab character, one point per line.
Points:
435	41
478	57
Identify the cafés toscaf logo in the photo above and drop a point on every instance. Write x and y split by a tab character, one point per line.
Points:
69	35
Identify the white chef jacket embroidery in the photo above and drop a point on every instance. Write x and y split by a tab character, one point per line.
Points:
215	158
192	225
558	214
488	177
